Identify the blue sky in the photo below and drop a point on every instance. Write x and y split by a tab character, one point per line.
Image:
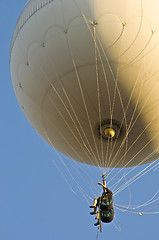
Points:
35	201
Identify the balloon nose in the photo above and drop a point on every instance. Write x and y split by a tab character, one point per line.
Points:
109	132
110	129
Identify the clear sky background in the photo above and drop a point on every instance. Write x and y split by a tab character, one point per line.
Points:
35	201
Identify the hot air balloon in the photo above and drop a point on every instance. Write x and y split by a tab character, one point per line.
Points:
86	73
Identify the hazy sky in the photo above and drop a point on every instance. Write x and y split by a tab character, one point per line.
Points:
35	201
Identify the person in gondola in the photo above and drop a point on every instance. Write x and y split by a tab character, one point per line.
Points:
104	204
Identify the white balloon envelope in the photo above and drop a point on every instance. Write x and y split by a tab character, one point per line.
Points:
86	74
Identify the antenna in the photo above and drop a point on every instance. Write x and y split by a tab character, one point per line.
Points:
103	184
